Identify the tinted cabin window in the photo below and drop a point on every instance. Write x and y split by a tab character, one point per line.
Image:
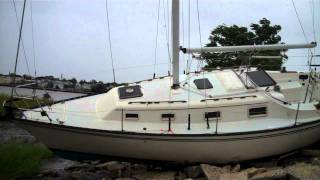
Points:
132	116
165	117
130	92
212	115
303	76
203	83
261	78
259	111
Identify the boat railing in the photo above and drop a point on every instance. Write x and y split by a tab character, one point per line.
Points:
155	102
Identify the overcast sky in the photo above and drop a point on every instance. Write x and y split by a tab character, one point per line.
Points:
71	39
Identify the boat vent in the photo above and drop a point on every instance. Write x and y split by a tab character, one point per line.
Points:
261	78
130	92
203	83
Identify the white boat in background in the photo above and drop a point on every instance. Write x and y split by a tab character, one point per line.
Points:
218	116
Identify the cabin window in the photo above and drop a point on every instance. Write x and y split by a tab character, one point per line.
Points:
165	117
130	92
303	77
258	111
203	83
132	116
212	115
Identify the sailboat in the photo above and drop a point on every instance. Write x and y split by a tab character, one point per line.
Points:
218	116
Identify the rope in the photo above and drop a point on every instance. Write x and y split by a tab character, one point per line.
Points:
32	35
110	44
156	45
22	44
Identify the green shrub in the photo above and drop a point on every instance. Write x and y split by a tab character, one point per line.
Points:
19	159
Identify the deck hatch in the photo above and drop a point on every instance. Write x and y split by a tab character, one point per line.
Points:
203	83
165	117
261	78
258	111
130	92
212	115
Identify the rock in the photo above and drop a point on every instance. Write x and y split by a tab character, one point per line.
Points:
313	153
226	169
84	175
77	167
236	168
237	176
95	162
10	132
180	176
126	178
254	171
155	175
55	164
264	163
111	165
193	171
315	161
211	172
303	171
276	173
114	167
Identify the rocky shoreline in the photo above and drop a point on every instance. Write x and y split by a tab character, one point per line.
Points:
301	164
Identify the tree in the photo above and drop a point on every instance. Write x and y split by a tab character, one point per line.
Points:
74	82
261	33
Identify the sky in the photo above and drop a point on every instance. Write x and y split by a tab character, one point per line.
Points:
71	37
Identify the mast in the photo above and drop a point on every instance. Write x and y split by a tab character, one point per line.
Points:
175	42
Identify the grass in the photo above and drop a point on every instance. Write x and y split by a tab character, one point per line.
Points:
19	159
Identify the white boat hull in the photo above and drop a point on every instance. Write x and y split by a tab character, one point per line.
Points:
177	148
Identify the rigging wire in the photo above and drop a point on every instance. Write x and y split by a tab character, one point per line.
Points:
18	47
200	63
189	34
313	21
109	41
22	43
167	32
32	35
301	26
156	45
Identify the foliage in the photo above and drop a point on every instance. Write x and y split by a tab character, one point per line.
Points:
261	33
21	159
